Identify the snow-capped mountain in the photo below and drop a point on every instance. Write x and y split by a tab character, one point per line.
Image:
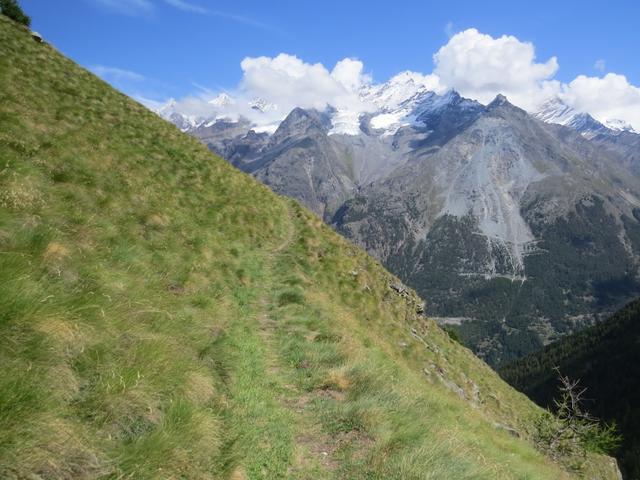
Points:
223	100
396	92
557	111
170	111
404	100
619	125
416	109
389	106
262	105
177	114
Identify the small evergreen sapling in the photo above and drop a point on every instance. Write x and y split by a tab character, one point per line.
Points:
573	431
11	9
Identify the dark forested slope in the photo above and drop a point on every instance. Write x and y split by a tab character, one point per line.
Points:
606	358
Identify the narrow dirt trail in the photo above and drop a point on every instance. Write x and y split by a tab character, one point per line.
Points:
267	297
311	446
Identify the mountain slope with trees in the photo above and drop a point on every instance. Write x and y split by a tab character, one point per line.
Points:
606	360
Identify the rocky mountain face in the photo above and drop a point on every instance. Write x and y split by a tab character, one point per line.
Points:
515	228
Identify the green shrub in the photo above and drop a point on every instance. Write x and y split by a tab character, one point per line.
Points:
453	334
604	439
11	9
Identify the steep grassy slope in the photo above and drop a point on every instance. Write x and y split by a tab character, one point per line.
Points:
163	315
606	358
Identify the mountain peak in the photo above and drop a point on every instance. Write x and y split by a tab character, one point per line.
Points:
297	122
297	113
222	100
586	125
499	101
556	111
620	125
262	105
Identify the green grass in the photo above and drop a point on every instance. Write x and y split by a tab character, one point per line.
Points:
163	315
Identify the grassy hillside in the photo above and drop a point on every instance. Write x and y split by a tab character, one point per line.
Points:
165	316
606	358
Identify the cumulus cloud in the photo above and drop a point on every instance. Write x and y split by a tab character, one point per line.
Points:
281	83
479	66
289	82
350	73
606	98
475	64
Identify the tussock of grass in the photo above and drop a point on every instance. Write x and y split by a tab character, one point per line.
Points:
165	316
290	296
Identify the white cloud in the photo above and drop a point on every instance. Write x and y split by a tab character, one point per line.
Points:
479	66
150	103
186	6
126	7
284	82
246	21
349	73
449	30
475	64
600	65
113	74
289	82
606	98
147	7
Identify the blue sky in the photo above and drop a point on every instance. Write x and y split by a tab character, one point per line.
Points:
156	49
178	48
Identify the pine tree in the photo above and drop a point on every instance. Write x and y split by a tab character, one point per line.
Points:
11	9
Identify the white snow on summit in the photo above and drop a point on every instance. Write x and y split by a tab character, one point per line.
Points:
262	105
398	90
345	122
222	100
619	125
393	102
557	111
392	105
170	111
